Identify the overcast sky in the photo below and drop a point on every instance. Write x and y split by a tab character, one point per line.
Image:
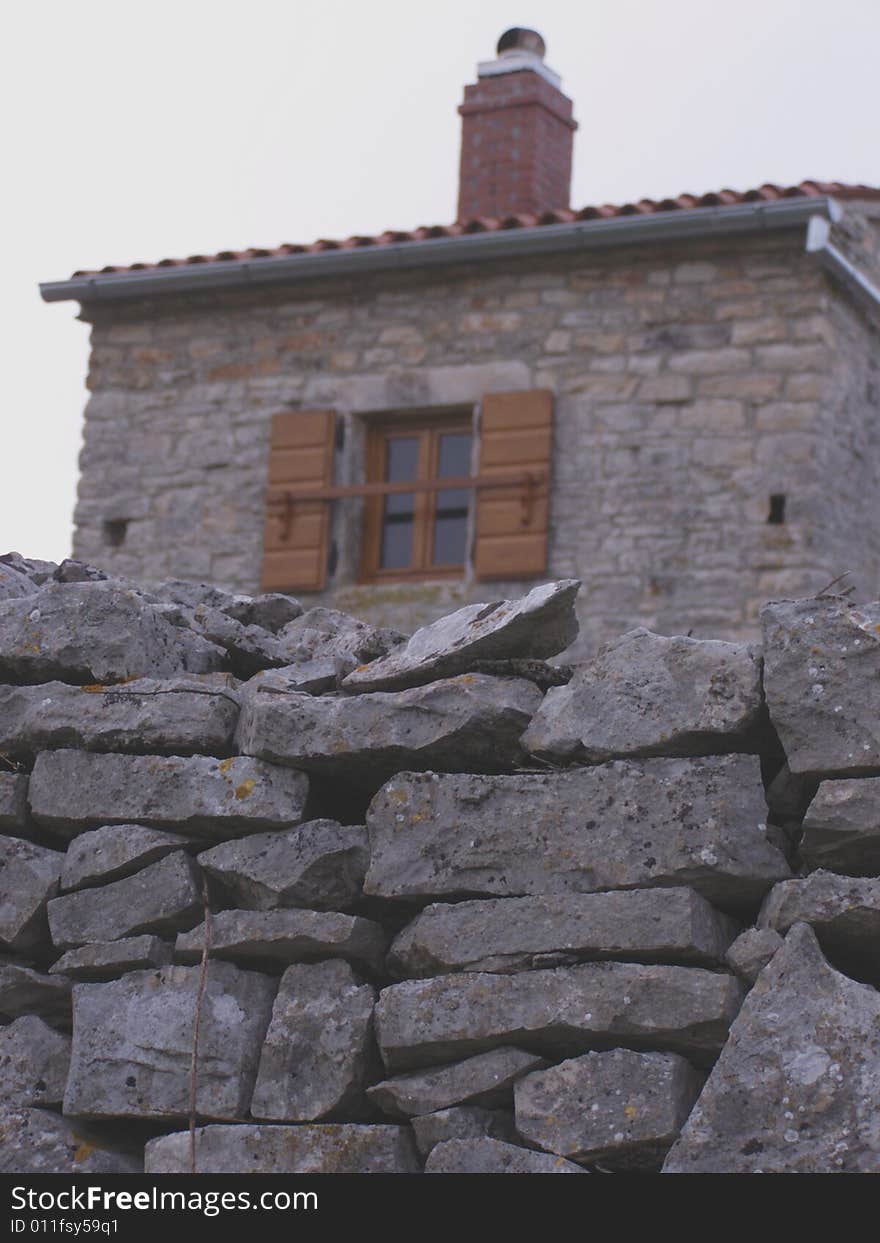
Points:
137	131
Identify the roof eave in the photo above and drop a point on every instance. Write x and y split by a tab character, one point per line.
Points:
680	225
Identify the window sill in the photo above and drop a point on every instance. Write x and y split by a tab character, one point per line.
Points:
411	576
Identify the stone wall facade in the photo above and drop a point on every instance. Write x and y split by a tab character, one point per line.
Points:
692	384
343	902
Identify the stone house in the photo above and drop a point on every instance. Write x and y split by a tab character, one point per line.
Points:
675	401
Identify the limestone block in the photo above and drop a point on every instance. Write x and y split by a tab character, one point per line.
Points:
288	936
318	1048
646	694
486	1079
13	801
619	1107
170	716
751	951
844	913
34	1059
132	1043
29	878
26	991
666	822
113	852
35	1141
323	634
320	864
162	898
94	632
518	934
562	1012
821	661
841	828
329	1148
462	1122
471	722
492	1156
795	1089
105	960
71	791
14	584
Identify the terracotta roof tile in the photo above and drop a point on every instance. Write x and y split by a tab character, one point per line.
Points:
767	193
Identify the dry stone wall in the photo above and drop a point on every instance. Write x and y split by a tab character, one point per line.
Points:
284	892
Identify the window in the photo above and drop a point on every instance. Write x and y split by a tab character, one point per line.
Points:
426	488
423	532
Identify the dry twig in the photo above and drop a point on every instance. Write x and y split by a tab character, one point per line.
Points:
200	993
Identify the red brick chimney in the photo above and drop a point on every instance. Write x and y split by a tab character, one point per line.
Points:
516	133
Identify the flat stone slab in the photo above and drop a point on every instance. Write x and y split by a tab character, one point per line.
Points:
485	1079
751	951
821	663
492	1156
646	694
71	791
462	1122
318	1048
541	624
844	913
13	801
795	1089
841	829
14	584
133	1038
38	572
328	1148
320	864
620	1107
163	898
623	825
288	936
106	960
25	991
310	676
115	851
519	934
35	1141
89	632
272	610
472	722
28	879
171	716
34	1059
557	1013
322	635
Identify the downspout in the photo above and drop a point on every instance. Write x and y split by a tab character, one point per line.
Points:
837	265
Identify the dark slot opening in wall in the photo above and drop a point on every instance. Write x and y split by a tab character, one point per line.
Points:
114	532
776	516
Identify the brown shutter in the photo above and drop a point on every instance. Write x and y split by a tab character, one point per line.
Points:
516	433
295	540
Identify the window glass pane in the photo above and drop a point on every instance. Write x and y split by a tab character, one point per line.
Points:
454	457
398	518
450	536
451	512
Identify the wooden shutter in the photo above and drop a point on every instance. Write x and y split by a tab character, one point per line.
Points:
295	540
516	433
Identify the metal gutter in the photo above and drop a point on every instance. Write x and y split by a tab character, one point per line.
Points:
836	264
694	224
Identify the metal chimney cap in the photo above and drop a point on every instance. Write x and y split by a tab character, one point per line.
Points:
521	39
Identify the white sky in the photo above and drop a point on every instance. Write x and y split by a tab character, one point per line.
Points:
137	131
